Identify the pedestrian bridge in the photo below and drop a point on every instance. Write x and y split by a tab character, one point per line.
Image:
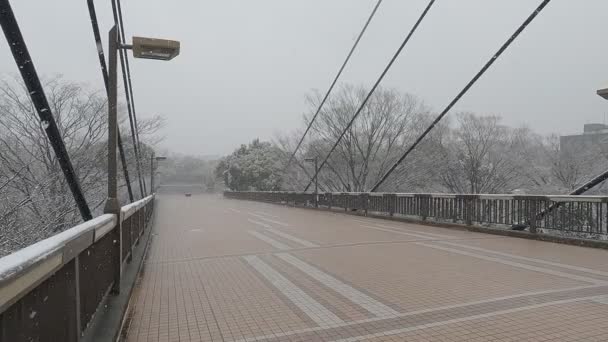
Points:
238	268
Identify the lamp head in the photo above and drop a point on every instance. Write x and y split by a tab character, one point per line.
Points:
603	93
152	48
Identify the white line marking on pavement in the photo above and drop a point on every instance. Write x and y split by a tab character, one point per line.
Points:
516	264
317	312
463	319
400	232
540	261
269	220
422	311
601	300
234	210
262	224
273	242
404	230
434	235
513	256
292	238
267	214
354	295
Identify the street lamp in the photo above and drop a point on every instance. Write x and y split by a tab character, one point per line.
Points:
152	159
141	49
149	48
315	160
152	48
603	93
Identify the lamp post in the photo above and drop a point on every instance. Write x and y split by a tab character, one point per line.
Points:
152	173
142	48
315	160
112	206
148	48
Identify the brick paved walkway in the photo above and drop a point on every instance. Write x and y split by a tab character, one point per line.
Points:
227	270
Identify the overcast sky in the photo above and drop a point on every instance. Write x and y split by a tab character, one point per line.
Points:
246	66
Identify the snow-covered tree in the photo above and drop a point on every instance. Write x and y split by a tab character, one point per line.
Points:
480	156
36	201
256	166
464	153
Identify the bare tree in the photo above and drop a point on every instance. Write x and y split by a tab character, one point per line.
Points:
479	156
422	168
469	154
36	201
570	167
371	144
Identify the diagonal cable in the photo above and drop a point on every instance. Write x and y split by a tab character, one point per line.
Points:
22	58
371	92
122	35
488	64
331	87
130	108
104	73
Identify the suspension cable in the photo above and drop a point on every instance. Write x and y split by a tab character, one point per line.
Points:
128	94
371	92
22	57
104	73
493	59
122	35
331	87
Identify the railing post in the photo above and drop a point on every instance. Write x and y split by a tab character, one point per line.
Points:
424	205
454	205
117	254
329	198
532	214
77	288
142	221
140	229
469	205
391	203
130	231
364	202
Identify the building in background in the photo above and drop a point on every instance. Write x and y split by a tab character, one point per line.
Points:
594	135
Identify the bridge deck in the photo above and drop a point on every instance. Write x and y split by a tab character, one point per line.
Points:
227	270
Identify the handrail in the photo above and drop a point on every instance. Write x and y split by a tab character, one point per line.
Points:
67	244
22	270
573	215
554	198
129	209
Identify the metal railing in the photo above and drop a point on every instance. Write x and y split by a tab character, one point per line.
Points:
51	290
583	215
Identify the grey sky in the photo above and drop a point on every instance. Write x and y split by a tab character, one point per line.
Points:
246	66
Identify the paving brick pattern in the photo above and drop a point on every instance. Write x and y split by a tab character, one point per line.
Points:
227	270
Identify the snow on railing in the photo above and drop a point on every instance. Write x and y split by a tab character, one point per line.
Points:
129	209
18	261
28	266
